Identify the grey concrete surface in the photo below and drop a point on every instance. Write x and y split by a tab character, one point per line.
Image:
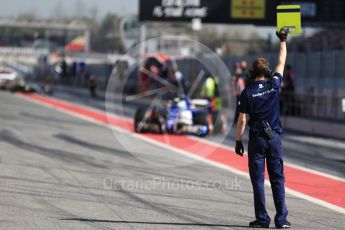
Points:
60	172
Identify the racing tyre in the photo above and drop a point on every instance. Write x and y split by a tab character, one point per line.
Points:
138	118
201	119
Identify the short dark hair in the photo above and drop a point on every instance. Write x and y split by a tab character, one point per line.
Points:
260	67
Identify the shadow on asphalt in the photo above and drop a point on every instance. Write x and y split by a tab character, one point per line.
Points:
95	147
50	119
156	223
62	155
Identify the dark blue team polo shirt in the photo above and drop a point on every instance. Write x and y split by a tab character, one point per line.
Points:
261	101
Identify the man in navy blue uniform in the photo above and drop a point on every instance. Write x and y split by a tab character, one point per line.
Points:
261	102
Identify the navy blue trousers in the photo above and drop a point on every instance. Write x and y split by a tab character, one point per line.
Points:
259	150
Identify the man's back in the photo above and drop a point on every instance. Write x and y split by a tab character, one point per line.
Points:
261	102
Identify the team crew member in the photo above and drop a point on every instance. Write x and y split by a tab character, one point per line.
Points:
261	102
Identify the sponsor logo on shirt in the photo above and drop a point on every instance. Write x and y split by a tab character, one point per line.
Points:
263	93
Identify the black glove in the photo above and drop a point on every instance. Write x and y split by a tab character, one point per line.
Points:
283	34
239	149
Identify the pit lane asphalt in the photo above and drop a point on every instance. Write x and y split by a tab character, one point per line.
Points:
60	172
318	153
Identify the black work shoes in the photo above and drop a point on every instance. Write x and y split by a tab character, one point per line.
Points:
286	225
257	224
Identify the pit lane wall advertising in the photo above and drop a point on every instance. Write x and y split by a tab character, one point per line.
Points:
219	11
256	12
22	55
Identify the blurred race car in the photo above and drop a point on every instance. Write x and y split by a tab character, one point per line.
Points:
178	116
8	77
13	81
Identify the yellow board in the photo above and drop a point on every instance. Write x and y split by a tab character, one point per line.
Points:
289	16
248	9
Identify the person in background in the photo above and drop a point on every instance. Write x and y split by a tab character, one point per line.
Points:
287	92
238	85
92	86
216	119
245	72
178	80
